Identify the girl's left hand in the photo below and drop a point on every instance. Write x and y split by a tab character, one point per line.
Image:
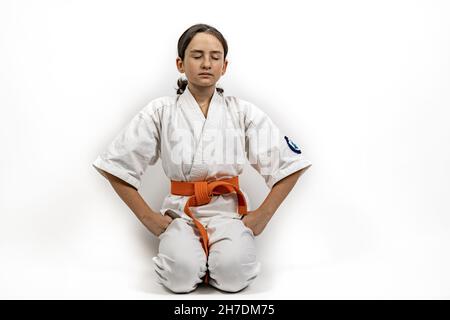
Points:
256	220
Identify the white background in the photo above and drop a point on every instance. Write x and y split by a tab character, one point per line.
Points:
361	87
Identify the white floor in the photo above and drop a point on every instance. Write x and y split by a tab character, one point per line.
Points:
114	262
364	279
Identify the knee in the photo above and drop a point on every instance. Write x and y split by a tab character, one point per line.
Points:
181	261
229	272
180	273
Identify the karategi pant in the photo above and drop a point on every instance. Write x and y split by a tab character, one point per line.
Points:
181	262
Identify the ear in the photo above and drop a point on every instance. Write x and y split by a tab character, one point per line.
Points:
179	64
225	65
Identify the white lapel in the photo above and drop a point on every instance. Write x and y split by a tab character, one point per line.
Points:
198	168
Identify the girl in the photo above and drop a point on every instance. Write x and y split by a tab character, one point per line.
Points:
206	231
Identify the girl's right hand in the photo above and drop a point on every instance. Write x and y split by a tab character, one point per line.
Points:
156	223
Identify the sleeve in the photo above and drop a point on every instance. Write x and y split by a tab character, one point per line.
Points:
135	148
274	155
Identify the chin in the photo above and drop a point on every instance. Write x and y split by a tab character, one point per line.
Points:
208	83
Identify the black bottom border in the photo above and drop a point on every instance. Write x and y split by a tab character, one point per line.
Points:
225	309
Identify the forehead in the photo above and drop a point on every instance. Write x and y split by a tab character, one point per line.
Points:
204	42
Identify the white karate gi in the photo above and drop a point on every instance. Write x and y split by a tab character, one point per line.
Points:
195	148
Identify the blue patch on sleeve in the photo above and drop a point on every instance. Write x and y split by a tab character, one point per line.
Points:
292	145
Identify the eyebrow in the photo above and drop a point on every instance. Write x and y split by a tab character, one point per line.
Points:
201	51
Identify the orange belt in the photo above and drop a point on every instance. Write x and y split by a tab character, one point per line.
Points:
201	193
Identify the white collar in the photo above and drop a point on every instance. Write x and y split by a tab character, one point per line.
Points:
186	98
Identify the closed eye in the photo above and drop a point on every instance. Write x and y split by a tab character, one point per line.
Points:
200	57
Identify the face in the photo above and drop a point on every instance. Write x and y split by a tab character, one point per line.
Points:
204	54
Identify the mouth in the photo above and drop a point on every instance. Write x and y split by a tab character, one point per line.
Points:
205	74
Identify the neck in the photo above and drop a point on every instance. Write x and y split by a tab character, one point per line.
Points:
202	94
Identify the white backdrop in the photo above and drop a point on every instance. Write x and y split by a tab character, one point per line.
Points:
361	87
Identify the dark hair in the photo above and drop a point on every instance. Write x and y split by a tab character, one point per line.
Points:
186	38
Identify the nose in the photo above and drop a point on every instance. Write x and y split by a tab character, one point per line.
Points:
206	63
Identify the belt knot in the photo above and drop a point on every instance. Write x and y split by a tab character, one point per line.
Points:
202	194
